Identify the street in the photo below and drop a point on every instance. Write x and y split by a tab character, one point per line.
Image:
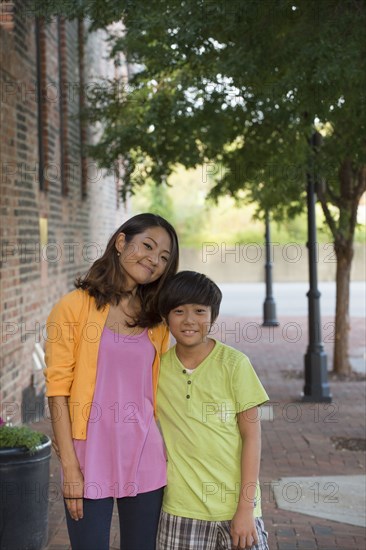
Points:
247	299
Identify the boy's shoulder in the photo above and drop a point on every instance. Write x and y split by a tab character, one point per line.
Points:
222	353
168	354
228	354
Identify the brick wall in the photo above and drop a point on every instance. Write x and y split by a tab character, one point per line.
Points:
38	268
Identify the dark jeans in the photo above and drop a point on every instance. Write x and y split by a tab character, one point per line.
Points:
138	522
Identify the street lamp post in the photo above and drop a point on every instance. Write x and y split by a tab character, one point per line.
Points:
269	306
316	388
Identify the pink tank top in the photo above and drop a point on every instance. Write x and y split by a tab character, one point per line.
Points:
123	454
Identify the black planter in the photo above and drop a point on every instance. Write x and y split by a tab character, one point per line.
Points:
24	488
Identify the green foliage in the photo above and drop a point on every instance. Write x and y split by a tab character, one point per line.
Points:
238	87
156	199
245	88
182	201
20	436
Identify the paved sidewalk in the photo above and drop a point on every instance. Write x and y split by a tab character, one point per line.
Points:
299	440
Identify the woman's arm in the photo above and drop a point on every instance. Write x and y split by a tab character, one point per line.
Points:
243	529
73	483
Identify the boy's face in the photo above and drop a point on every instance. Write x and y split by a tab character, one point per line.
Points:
190	324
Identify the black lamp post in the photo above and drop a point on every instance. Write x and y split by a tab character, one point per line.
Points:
269	306
316	388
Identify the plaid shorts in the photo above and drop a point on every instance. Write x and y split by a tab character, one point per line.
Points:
178	533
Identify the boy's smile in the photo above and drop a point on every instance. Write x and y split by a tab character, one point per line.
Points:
190	324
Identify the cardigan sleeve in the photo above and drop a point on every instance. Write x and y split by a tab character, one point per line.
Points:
166	340
63	329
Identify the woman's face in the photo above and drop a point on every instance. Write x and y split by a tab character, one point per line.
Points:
144	258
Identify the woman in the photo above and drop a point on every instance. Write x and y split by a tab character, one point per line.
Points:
102	355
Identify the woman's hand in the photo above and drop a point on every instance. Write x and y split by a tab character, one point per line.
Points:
73	485
243	530
73	491
74	506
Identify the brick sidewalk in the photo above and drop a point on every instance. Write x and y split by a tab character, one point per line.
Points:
297	442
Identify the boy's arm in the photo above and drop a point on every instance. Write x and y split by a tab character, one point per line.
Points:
243	530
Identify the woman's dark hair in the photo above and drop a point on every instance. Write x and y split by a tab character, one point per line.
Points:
190	287
105	280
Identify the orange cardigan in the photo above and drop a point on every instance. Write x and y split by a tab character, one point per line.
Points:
74	329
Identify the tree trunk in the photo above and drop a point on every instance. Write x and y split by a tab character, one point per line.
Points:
344	253
352	184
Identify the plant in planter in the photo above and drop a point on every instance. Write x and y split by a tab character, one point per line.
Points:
19	436
24	472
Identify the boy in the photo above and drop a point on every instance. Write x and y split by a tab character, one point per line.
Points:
207	407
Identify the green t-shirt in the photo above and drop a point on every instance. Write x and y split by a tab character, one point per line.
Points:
197	414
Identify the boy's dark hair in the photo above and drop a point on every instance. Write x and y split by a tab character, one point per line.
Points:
189	287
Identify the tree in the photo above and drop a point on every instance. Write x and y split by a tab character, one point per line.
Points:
240	87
